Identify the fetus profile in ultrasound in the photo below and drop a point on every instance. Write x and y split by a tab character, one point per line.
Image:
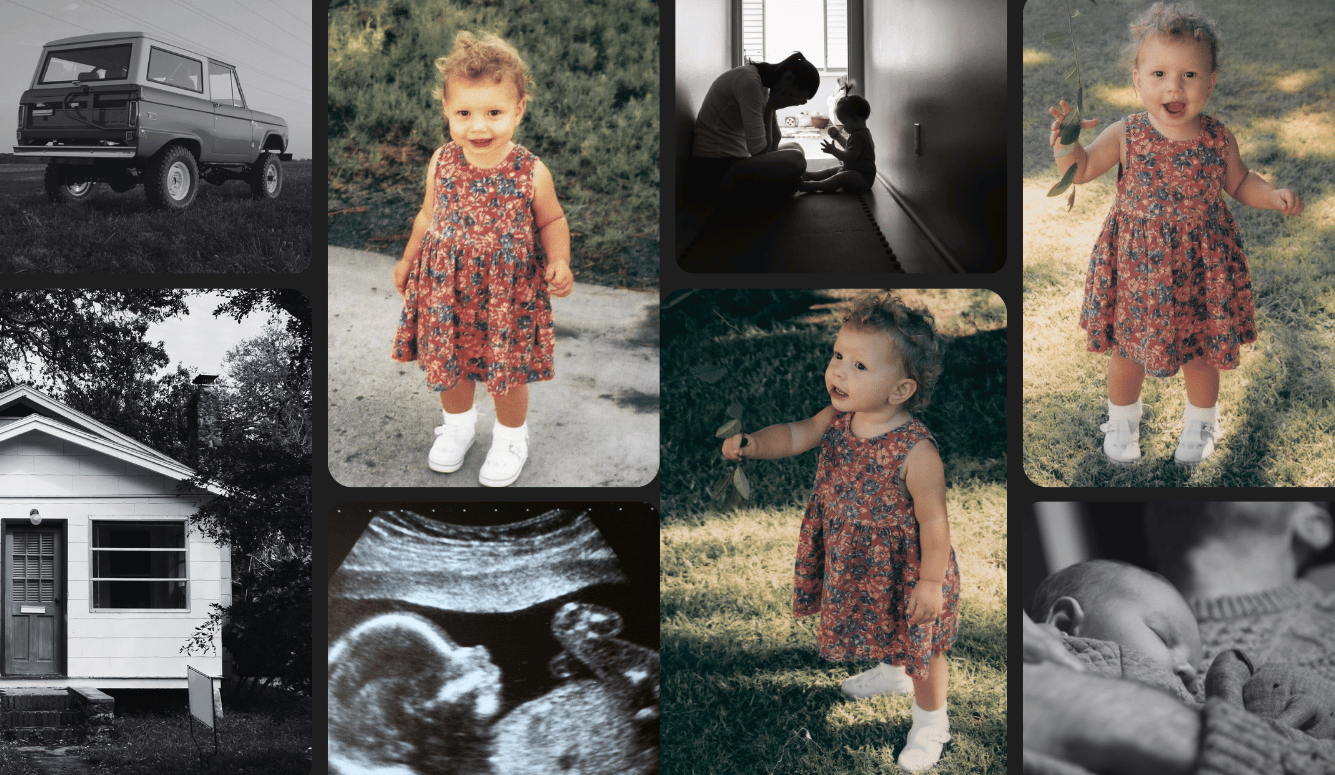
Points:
488	649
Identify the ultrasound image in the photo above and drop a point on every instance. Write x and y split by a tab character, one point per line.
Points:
488	649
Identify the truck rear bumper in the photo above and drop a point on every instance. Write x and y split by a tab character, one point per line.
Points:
74	151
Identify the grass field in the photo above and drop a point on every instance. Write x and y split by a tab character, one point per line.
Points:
1275	92
744	690
223	231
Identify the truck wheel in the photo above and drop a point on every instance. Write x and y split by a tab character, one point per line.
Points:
61	192
173	178
265	177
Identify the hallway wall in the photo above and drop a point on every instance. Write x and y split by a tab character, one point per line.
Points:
942	63
704	29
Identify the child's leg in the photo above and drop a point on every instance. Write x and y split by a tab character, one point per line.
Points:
853	181
512	407
929	691
1125	379
1202	383
458	399
931	729
820	174
509	439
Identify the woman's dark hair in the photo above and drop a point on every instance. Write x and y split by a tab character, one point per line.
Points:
805	75
856	105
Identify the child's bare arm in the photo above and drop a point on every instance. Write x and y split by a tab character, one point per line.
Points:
926	480
420	224
783	440
553	230
1253	190
1098	158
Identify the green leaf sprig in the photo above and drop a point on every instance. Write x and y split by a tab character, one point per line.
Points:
733	488
1070	126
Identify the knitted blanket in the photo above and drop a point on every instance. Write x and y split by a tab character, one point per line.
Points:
1113	660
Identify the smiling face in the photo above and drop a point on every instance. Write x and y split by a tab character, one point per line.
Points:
483	115
1174	77
864	372
1147	614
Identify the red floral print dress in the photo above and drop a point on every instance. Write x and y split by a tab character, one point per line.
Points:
476	305
1168	281
858	555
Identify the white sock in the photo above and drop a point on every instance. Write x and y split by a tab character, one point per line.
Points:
505	433
462	418
1129	412
1203	414
930	718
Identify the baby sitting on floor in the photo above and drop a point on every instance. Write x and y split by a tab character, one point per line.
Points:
857	172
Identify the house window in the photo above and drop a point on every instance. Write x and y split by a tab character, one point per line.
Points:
175	70
773	29
139	565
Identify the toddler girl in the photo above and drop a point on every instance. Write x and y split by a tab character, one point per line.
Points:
476	283
874	556
857	172
1168	286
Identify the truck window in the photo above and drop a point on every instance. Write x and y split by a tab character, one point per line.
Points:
98	63
222	85
175	70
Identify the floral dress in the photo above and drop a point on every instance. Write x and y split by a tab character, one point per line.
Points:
858	555
476	304
1168	281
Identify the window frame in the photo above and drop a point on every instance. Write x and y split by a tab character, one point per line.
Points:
149	69
46	62
93	549
739	36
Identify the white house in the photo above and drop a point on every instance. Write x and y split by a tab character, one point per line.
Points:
104	579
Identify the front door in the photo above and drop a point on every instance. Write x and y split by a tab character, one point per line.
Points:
34	594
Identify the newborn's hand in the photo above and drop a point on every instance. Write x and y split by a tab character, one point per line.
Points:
1286	201
1293	696
736	447
559	280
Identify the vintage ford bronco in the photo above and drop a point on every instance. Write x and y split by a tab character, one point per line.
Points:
124	108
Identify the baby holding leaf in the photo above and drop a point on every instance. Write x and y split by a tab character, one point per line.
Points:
874	556
1168	286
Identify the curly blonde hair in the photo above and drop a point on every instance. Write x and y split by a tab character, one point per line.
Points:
1176	21
913	334
486	56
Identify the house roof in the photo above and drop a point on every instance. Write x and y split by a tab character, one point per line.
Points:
24	409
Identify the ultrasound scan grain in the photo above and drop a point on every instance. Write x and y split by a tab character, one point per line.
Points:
488	649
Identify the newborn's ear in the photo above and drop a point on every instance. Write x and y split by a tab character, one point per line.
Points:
1066	615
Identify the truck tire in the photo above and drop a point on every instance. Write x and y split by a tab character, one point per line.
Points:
61	192
173	178
265	177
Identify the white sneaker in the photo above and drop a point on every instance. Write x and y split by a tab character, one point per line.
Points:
453	440
882	679
1121	441
923	747
1197	442
509	450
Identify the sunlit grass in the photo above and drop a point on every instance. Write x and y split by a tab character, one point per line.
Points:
1279	405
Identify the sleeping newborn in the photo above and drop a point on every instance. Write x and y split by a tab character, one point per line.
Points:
1139	611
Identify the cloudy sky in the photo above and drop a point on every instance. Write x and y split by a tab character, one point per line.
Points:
269	42
198	339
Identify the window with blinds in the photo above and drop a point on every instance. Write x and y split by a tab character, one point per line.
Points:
773	29
138	565
32	566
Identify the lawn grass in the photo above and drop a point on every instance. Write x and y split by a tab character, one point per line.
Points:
250	742
1275	90
743	688
223	231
